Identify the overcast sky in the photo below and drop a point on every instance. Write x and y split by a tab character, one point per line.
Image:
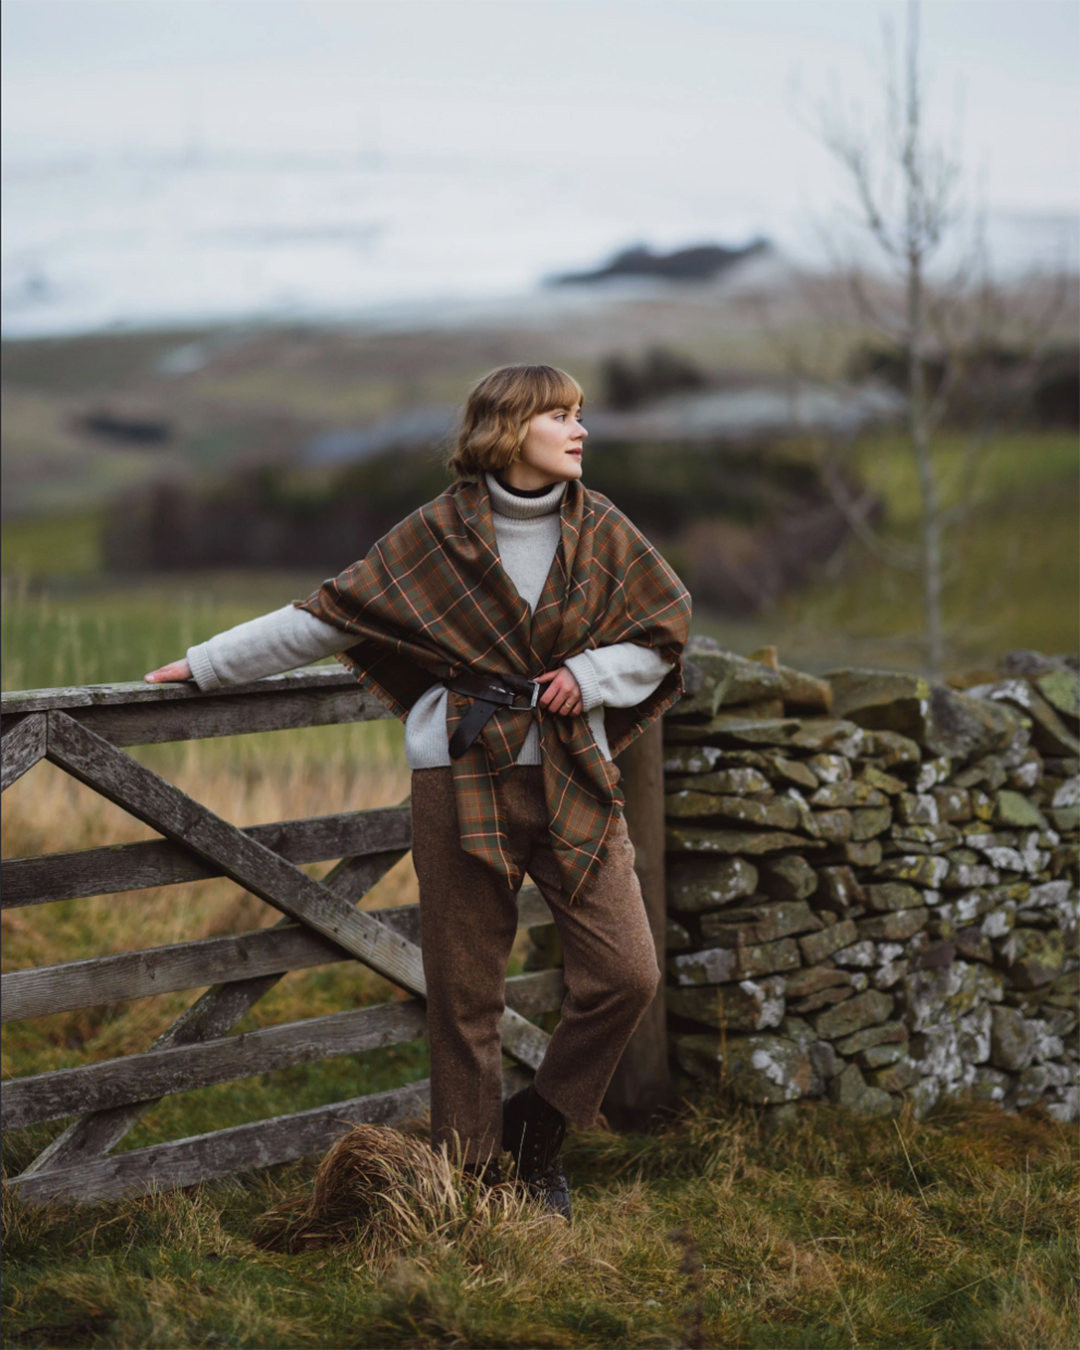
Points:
658	89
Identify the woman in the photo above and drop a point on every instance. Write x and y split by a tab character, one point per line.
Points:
525	632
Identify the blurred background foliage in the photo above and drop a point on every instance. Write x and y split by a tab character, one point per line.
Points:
147	509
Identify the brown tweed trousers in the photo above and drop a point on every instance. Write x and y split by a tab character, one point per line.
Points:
468	919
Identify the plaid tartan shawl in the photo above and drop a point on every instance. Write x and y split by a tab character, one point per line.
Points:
431	600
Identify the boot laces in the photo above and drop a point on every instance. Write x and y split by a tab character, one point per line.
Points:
549	1178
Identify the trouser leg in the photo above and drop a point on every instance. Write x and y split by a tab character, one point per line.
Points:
611	972
468	919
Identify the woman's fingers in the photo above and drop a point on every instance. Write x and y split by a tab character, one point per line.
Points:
177	671
563	694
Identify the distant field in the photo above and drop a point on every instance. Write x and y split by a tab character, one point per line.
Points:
89	629
250	396
1014	563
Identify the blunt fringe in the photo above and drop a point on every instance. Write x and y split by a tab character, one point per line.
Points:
497	414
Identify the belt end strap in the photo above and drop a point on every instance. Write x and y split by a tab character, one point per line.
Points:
471	725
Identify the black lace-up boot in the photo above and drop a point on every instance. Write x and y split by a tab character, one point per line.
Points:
485	1174
533	1132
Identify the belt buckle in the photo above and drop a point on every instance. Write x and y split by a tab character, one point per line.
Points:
535	699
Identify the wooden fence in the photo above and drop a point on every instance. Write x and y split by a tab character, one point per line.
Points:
82	731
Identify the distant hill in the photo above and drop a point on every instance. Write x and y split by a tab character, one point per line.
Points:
699	263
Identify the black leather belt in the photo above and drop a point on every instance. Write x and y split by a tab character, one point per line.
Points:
487	692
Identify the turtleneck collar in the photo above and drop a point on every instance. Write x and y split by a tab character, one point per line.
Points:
521	507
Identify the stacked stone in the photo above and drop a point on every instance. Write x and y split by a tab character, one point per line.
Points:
872	883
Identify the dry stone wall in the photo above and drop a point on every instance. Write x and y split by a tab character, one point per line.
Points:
872	883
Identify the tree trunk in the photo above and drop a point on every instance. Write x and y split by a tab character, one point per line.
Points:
918	207
919	427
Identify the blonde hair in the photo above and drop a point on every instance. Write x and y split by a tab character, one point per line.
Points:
498	411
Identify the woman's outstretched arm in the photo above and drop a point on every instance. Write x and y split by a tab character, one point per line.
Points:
282	640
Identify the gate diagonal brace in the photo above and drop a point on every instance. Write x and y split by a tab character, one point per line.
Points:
101	766
23	746
92	1135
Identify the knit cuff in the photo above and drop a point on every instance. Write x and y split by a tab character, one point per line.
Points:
202	669
588	682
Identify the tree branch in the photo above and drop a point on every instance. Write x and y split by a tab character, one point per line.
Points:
856	514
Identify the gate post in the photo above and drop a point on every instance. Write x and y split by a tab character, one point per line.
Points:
642	1082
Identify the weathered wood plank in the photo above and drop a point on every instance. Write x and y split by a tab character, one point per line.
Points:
229	715
204	1157
137	691
539	991
160	970
165	808
214	1014
119	1082
22	745
43	990
533	912
47	877
183	1162
533	909
352	878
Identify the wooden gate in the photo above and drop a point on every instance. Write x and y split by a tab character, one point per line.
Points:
83	730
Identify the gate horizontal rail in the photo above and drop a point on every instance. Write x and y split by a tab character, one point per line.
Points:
83	731
117	1082
190	965
131	867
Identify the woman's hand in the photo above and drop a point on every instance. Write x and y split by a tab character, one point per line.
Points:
179	670
563	693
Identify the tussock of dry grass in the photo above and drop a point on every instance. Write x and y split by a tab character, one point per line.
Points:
384	1193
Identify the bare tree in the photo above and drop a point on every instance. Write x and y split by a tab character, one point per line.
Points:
906	187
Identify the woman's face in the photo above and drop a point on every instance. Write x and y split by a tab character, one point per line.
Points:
551	451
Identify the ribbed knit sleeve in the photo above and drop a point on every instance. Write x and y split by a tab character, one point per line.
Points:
619	676
282	640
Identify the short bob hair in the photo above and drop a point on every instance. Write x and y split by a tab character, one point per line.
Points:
498	411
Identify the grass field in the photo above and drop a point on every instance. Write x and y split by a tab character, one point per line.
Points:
1013	564
955	1232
